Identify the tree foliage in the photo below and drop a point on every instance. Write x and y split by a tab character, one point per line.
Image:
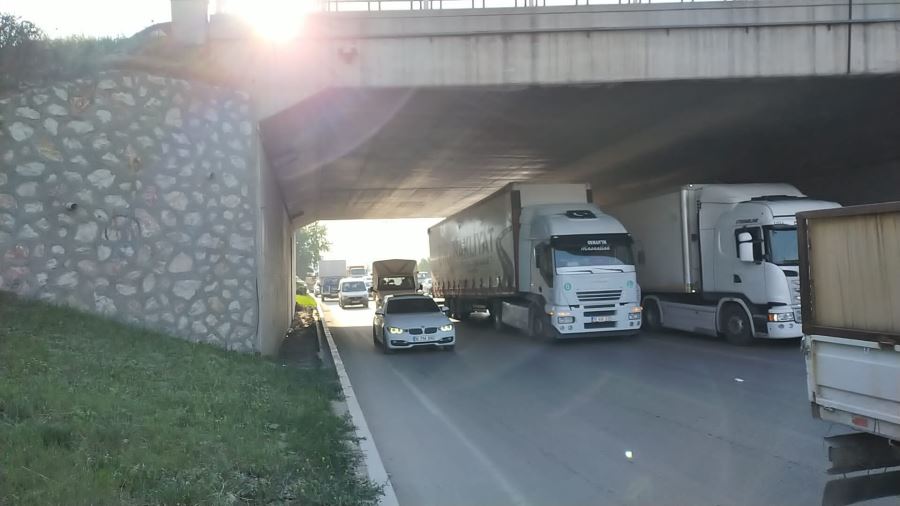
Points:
312	242
424	265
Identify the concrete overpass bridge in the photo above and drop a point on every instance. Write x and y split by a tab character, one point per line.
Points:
420	112
171	202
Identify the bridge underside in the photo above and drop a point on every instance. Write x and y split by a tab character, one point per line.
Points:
392	152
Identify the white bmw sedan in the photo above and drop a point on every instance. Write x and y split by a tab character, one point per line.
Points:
408	321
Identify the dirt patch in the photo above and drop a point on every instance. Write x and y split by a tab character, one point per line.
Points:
300	347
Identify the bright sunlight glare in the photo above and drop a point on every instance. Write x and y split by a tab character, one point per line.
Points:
276	20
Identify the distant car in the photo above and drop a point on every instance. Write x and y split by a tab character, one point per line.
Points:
369	289
409	321
353	291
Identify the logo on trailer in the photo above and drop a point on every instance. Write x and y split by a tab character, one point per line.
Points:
567	286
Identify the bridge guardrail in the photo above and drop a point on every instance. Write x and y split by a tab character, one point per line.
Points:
426	5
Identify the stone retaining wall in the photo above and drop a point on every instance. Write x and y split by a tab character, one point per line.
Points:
134	196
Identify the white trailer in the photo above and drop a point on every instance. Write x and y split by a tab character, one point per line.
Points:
330	274
720	259
542	258
850	282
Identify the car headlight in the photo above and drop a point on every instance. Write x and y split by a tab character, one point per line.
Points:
447	328
781	317
395	330
565	319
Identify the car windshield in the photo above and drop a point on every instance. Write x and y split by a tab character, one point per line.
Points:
353	286
580	251
404	306
396	283
781	243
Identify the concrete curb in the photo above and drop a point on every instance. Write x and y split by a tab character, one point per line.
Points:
372	459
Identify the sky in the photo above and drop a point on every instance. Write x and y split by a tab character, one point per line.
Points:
363	241
110	18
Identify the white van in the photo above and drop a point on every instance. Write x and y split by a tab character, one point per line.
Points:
353	291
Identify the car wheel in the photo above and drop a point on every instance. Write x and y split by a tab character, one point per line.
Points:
366	305
374	336
736	325
387	350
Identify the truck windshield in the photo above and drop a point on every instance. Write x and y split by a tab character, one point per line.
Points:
592	250
781	243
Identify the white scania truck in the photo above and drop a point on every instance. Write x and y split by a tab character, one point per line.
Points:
720	259
541	258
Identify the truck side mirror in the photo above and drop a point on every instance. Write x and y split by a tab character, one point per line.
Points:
745	247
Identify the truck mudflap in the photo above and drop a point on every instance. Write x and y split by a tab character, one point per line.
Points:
861	488
861	451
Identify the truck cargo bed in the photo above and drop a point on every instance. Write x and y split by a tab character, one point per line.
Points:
855	383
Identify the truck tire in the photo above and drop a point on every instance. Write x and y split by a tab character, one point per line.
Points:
497	315
539	324
736	325
652	315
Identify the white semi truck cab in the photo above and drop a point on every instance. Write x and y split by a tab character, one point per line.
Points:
580	265
541	258
721	259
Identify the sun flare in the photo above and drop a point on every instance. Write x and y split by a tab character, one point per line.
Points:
276	20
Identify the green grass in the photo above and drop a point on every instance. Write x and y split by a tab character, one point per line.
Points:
305	300
96	412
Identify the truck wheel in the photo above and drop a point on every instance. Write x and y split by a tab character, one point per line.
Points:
736	325
652	317
497	316
539	325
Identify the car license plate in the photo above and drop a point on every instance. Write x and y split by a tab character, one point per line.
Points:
601	319
420	339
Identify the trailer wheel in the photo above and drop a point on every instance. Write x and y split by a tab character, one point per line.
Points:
652	315
736	325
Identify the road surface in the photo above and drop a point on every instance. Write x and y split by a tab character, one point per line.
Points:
665	418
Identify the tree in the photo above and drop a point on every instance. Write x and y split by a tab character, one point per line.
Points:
424	265
20	45
312	241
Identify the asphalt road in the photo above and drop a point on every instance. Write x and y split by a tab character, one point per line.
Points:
664	418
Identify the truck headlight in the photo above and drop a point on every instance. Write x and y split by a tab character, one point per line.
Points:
395	330
565	319
781	317
447	328
634	316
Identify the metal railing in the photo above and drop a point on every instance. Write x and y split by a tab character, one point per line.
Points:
427	5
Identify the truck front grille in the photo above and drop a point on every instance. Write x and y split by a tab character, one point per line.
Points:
598	295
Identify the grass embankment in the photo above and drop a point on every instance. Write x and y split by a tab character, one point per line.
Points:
95	412
306	301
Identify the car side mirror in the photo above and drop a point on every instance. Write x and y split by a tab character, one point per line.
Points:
745	247
379	312
445	310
